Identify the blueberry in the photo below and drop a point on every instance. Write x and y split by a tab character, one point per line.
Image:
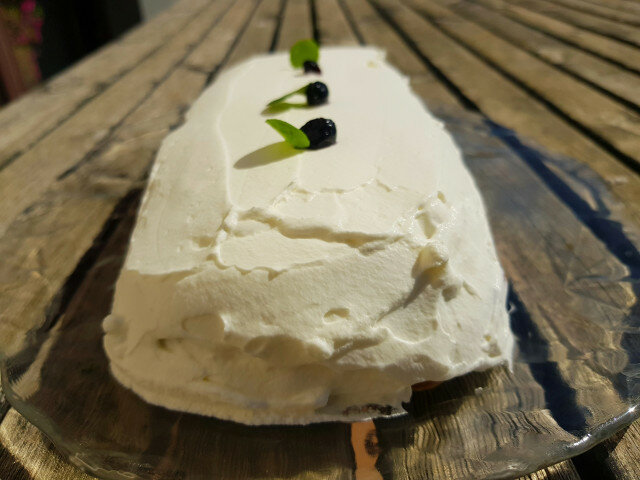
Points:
311	67
317	93
321	132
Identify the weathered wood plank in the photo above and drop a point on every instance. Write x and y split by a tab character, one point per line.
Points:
626	5
605	118
626	33
22	182
623	54
260	33
601	73
603	11
560	471
33	453
511	106
376	32
332	25
46	243
502	188
296	24
207	55
26	121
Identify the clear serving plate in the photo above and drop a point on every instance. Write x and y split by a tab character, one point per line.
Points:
575	378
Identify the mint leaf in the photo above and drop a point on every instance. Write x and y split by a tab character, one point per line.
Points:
292	135
302	51
284	97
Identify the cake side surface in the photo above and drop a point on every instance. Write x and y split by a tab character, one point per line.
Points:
265	284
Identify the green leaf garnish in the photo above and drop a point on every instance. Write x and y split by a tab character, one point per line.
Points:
292	135
284	97
302	51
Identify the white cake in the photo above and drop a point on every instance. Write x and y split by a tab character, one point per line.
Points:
265	284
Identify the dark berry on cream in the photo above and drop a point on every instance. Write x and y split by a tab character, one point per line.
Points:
317	93
311	67
321	132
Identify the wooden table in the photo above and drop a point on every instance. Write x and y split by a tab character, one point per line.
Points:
74	154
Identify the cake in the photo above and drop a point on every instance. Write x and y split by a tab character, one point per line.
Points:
271	285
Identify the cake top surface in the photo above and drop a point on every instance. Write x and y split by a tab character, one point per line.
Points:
349	193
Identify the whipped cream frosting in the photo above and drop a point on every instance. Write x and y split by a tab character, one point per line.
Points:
265	284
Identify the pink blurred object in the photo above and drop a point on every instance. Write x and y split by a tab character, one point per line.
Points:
20	35
28	6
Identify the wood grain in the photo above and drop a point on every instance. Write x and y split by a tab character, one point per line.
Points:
82	306
578	376
27	454
260	33
608	48
511	106
374	31
469	408
452	422
208	54
625	33
296	24
625	5
333	26
600	73
28	120
603	11
559	471
605	118
129	426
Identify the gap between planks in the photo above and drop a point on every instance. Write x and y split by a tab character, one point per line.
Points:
623	33
608	78
618	53
604	11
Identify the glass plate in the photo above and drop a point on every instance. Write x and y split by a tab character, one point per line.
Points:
574	380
